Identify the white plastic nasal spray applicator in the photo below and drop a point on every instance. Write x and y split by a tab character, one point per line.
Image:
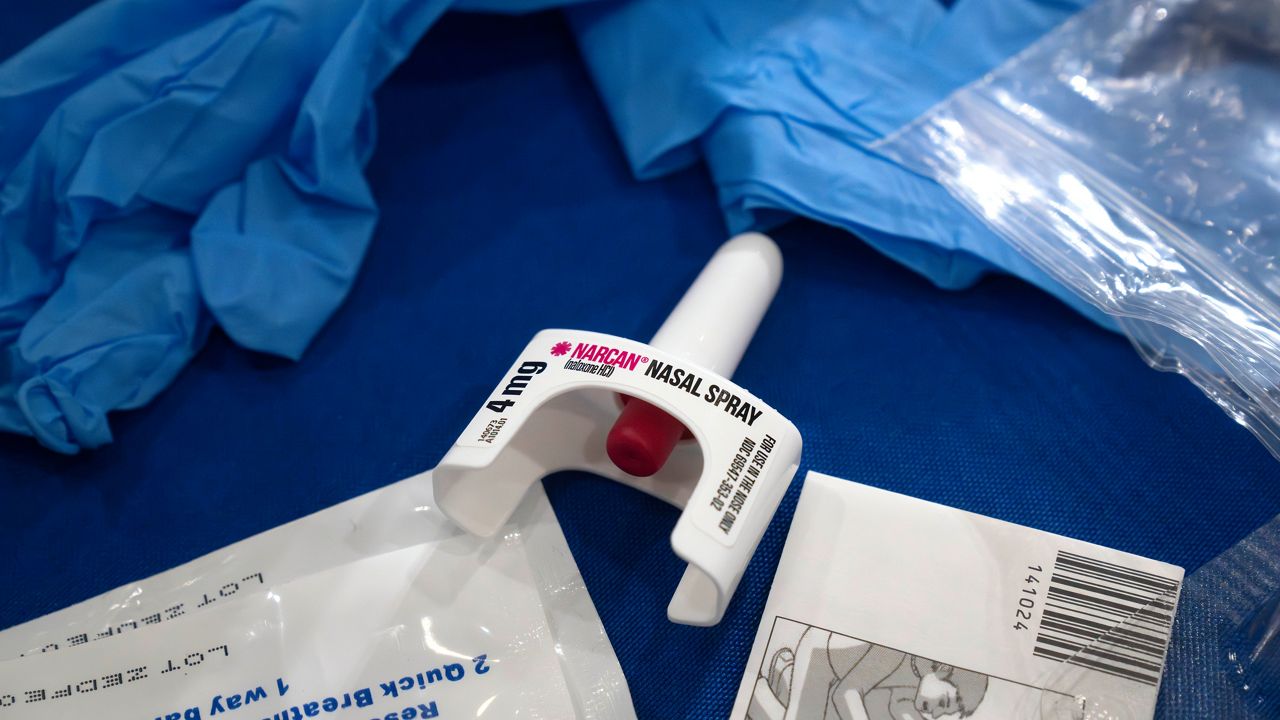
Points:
711	326
556	408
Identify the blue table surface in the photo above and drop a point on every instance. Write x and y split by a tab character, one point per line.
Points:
508	208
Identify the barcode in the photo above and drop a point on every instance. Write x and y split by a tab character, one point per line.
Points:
1107	617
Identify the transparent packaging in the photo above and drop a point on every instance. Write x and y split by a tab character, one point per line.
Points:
1253	657
1134	154
1225	659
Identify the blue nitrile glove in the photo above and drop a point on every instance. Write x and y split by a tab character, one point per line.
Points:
782	100
161	158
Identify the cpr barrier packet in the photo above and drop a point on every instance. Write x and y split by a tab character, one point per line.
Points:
393	517
399	516
886	607
422	632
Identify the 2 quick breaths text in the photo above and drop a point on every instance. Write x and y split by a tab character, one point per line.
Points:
253	699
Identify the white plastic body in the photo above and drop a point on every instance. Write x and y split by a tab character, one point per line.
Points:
717	317
552	412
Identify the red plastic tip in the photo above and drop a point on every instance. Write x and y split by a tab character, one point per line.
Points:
642	438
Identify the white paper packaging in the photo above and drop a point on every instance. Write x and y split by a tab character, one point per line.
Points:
892	608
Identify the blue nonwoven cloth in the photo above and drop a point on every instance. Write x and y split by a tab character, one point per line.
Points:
782	100
997	400
165	165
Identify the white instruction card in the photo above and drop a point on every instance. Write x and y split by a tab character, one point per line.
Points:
885	607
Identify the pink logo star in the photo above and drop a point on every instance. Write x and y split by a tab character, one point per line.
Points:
560	348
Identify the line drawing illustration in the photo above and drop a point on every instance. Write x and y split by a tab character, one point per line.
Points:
809	673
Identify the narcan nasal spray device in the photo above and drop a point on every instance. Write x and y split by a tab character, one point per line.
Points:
682	431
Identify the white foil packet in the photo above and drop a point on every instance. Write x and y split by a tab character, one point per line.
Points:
394	517
421	632
163	610
886	607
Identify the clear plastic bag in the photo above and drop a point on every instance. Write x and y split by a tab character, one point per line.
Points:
1134	154
1225	658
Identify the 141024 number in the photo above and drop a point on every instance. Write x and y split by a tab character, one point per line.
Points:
1027	598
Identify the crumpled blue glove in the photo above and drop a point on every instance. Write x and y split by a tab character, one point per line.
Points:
165	165
783	100
169	165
